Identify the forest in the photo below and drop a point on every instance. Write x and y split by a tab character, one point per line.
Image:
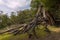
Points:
40	22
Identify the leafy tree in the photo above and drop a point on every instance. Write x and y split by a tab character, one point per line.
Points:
13	18
50	5
4	20
24	16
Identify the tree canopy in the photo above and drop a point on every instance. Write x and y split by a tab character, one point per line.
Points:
50	5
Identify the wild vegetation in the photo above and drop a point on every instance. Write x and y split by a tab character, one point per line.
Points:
42	15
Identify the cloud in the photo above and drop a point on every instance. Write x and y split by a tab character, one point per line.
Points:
14	5
1	2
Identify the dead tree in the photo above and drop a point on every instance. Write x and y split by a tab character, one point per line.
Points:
41	18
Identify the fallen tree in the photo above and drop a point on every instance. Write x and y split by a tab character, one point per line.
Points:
41	18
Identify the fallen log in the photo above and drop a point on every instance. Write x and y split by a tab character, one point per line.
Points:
14	29
38	20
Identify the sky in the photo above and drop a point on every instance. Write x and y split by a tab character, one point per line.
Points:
14	5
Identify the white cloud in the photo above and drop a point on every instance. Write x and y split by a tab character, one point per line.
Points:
13	4
16	3
1	2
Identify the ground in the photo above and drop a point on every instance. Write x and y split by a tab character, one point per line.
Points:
42	35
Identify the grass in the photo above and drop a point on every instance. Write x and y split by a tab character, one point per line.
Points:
5	36
12	37
40	33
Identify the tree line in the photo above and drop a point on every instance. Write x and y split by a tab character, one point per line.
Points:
24	16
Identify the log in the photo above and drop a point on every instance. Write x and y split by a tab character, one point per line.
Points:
39	18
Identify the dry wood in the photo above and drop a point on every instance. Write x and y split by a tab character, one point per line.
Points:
39	19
